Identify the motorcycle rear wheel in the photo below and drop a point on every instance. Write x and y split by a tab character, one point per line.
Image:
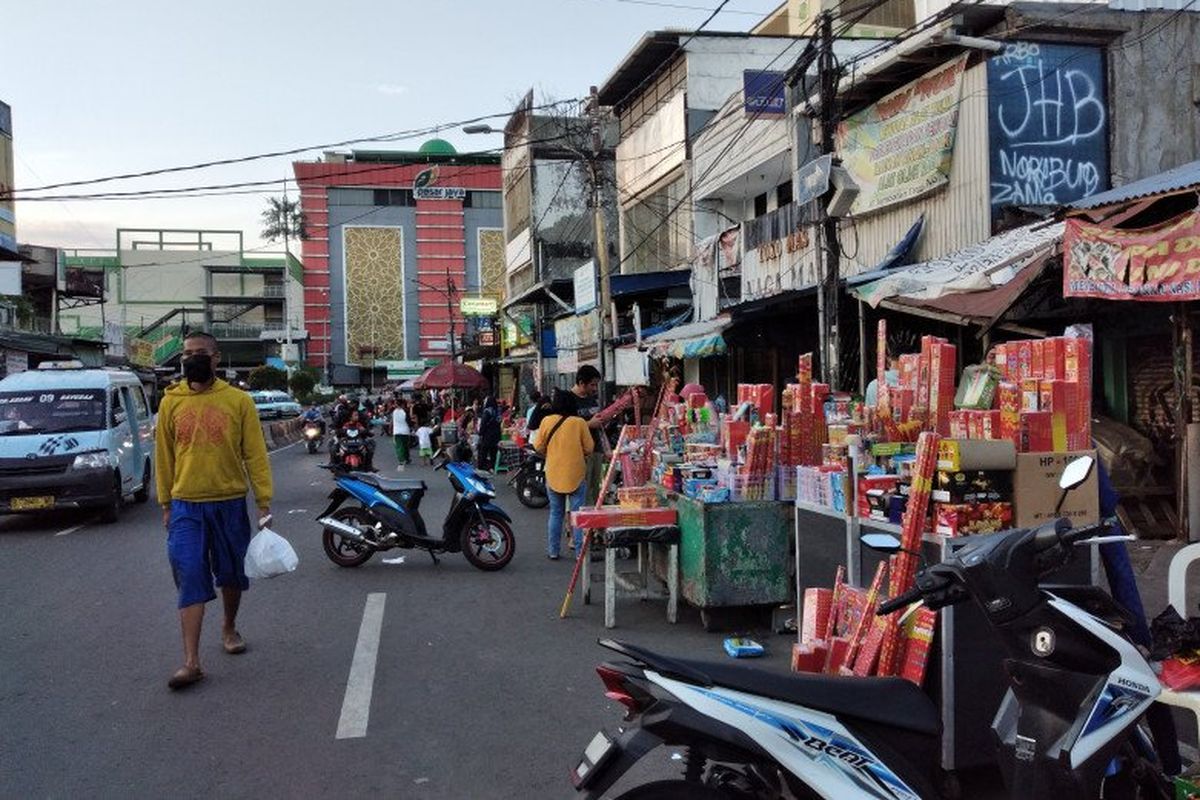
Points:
532	493
490	550
342	551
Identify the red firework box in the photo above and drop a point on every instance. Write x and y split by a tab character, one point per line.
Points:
804	369
912	524
1031	394
852	610
887	484
618	517
1077	366
910	368
903	401
865	622
1009	395
1037	361
963	519
1062	397
868	654
889	651
984	425
839	648
999	358
960	424
761	395
1023	368
809	656
881	351
918	639
1043	432
818	605
697	400
734	434
1054	358
943	360
839	598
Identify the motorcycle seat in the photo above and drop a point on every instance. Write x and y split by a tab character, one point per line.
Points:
389	484
892	702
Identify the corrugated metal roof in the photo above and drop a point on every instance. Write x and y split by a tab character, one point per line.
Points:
1173	180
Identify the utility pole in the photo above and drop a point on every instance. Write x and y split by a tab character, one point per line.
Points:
287	322
600	247
829	248
450	312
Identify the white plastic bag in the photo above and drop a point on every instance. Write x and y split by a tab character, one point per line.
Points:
269	555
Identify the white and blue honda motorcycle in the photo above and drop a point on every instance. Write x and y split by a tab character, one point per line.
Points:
1068	726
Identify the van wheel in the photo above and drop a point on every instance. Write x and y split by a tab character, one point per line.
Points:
143	494
111	510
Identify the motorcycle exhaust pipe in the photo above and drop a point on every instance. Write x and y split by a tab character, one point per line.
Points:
349	531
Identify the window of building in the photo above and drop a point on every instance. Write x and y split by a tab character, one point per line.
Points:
483	200
760	205
393	197
657	230
351	197
783	194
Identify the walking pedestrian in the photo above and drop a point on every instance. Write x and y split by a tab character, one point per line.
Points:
566	442
489	433
209	445
401	432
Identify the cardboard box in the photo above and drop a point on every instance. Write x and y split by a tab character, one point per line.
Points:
971	454
1036	492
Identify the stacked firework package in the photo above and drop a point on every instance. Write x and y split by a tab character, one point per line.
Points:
820	470
1045	392
840	633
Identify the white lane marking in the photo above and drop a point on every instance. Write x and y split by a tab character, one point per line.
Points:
281	449
68	531
356	706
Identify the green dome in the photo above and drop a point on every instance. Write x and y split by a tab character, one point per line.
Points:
437	147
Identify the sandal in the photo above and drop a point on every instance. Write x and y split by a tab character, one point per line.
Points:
234	644
185	677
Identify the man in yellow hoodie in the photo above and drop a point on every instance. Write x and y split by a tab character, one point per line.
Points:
209	449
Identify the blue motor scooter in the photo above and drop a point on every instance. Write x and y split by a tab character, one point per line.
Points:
388	516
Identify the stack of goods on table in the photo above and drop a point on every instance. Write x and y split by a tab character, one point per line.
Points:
1007	427
841	634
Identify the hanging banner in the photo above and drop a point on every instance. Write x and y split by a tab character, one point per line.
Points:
1156	264
901	146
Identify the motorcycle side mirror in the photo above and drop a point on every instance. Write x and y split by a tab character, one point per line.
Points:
1075	473
1073	476
881	542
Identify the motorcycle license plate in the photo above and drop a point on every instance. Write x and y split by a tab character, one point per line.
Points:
31	503
598	752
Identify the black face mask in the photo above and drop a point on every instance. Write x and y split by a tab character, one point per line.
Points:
198	368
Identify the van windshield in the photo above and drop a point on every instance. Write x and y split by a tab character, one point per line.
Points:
51	411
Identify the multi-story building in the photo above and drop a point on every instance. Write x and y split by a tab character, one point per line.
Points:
157	284
396	240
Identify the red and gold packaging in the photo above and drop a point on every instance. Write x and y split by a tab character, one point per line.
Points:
1054	354
1077	366
918	638
809	657
818	605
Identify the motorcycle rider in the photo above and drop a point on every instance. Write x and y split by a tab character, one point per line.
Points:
313	415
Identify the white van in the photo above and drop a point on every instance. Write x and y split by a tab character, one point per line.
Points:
74	438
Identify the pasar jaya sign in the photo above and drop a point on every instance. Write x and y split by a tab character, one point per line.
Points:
1159	263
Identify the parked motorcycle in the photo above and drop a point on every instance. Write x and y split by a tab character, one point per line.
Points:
352	449
314	435
388	516
1069	725
529	480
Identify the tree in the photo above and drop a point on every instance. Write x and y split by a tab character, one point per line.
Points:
268	377
283	219
302	383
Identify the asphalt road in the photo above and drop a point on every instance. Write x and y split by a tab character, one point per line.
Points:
479	689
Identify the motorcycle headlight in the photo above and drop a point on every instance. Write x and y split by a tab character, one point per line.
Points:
96	460
312	433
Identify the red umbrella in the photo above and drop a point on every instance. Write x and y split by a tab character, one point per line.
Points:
451	375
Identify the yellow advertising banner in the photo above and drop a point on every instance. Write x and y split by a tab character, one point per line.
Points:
901	146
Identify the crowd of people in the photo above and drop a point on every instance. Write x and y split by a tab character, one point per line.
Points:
562	427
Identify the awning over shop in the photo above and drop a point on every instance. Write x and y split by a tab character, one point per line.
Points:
643	282
694	340
1180	179
980	268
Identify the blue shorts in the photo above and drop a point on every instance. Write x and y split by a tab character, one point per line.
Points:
207	541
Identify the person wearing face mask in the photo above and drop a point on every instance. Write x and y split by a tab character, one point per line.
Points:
209	451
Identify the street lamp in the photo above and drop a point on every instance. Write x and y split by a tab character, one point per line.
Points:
480	128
